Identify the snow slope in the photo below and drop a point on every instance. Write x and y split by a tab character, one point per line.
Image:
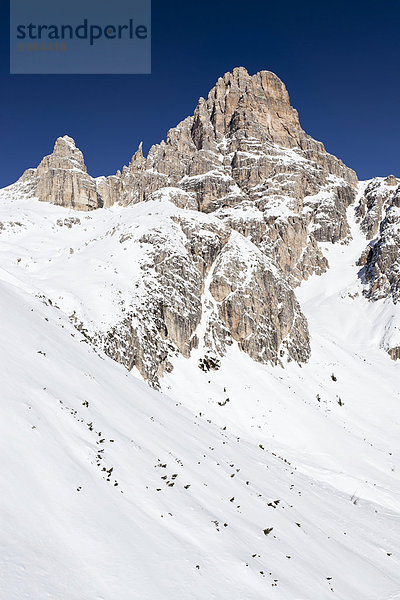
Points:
245	483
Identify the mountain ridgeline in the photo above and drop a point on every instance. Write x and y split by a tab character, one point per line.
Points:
237	205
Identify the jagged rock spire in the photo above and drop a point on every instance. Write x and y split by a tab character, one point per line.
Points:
65	156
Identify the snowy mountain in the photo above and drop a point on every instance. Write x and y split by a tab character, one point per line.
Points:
245	275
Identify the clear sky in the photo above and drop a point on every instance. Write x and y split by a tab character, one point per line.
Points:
340	61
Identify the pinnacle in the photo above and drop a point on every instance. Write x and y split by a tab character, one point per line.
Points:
65	146
66	139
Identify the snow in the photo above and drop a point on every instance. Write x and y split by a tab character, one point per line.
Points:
213	173
69	411
249	256
244	212
51	256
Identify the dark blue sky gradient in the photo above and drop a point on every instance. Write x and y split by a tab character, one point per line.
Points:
339	60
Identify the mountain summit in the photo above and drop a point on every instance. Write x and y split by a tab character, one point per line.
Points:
245	199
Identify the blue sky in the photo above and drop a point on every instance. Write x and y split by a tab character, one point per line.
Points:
339	60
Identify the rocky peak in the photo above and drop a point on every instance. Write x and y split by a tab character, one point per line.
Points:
391	180
247	195
61	178
256	106
138	159
245	144
376	198
65	156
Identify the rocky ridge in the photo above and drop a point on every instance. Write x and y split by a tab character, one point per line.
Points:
379	211
245	197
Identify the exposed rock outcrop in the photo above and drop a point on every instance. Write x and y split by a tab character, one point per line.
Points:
193	267
62	178
379	214
374	202
250	195
257	306
245	145
382	267
379	209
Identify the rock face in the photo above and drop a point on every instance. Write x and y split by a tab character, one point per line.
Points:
195	285
382	266
244	150
250	195
62	179
379	214
256	305
163	315
374	202
243	147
